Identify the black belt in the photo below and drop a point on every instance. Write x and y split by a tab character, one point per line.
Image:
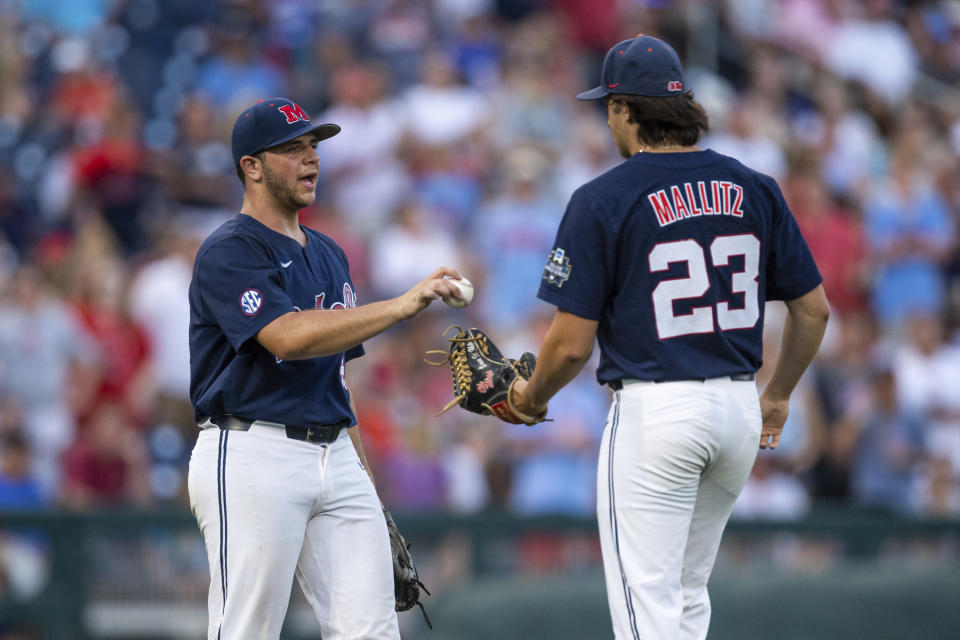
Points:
314	434
616	385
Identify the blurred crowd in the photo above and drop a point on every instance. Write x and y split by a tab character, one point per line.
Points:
461	143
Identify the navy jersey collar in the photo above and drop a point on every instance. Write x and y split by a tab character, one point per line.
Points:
249	221
679	159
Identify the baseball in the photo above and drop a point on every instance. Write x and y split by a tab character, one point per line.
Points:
466	290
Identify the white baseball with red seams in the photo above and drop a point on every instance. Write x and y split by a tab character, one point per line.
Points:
466	290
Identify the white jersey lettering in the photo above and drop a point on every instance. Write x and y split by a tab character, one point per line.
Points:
678	202
713	198
703	198
737	211
726	186
693	201
661	206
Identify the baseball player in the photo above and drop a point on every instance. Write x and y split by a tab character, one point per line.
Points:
667	260
278	479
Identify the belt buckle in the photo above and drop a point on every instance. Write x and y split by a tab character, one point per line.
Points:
309	436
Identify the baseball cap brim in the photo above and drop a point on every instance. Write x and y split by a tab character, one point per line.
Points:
322	131
593	94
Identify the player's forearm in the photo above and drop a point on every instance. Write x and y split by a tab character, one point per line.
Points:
314	333
556	367
802	334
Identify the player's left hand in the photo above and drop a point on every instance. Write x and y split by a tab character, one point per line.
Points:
774	413
406	580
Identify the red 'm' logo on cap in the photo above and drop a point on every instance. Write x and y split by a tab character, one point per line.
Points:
674	85
293	112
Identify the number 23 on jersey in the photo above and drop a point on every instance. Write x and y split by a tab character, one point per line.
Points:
697	284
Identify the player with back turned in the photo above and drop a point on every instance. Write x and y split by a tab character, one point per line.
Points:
278	478
667	260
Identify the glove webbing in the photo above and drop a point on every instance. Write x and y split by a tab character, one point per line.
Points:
463	376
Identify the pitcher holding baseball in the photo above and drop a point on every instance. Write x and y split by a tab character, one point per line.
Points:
278	479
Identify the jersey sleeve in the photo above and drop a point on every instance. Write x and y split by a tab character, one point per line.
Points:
578	272
241	288
791	270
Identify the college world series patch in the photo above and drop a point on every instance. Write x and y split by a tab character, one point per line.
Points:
558	267
250	302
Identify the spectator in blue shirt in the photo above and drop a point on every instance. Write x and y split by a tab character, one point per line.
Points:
18	489
909	232
889	449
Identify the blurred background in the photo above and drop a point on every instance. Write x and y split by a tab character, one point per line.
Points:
461	143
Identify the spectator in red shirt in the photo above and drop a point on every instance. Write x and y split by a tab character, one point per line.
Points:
835	237
107	465
99	298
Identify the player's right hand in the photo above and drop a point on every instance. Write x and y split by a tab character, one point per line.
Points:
435	286
774	413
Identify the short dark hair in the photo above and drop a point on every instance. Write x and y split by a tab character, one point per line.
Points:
668	120
240	174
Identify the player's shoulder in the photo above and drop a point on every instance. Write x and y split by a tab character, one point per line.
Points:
748	175
606	185
233	237
606	198
603	191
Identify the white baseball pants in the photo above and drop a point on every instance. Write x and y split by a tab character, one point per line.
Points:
673	458
271	508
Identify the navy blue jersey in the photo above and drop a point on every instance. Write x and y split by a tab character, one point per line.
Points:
675	255
245	276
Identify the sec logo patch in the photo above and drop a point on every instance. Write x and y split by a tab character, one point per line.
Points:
250	302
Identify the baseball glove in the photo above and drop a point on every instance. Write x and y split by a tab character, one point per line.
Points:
406	581
483	378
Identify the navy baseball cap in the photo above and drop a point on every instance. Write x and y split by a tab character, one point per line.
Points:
641	66
272	122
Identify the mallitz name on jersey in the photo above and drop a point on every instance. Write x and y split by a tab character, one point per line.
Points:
690	200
